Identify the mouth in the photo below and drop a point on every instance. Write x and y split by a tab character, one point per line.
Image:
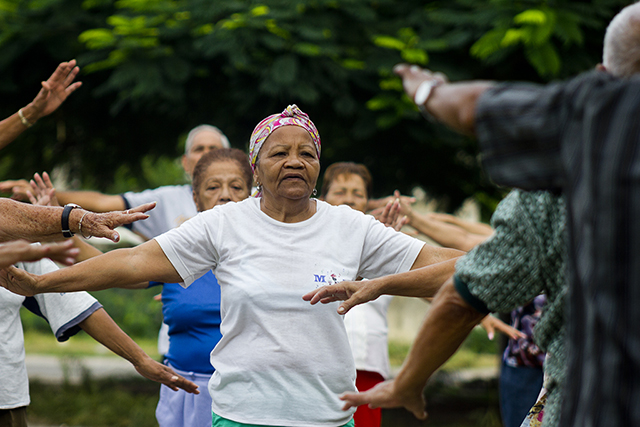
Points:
293	178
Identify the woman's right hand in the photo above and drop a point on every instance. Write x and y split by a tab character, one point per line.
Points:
352	293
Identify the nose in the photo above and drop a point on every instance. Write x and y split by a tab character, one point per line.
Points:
294	161
225	195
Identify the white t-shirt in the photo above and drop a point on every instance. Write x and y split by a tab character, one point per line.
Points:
367	330
282	361
63	311
175	206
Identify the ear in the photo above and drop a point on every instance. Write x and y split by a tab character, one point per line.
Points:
601	67
183	161
195	200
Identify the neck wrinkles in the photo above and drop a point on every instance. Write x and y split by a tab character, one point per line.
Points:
288	211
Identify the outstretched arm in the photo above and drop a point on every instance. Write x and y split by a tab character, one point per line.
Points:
453	104
104	330
53	93
421	282
42	223
444	233
449	321
120	268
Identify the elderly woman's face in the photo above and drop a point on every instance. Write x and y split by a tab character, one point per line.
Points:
288	164
348	189
223	182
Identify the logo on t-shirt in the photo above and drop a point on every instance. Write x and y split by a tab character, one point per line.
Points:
327	279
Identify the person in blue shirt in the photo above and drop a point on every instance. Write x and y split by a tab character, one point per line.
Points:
193	314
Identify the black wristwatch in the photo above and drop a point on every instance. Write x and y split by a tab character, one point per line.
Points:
66	232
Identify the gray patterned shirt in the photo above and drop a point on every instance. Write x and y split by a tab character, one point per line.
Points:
523	258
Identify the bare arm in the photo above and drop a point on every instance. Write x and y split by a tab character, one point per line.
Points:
121	268
42	223
449	321
422	283
92	200
471	226
53	93
104	330
444	233
453	104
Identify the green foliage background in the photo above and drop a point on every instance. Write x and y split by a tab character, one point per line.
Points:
153	69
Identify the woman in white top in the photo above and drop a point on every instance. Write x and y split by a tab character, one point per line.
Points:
280	362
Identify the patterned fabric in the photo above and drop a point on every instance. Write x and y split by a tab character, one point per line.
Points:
536	414
583	137
524	257
524	351
291	116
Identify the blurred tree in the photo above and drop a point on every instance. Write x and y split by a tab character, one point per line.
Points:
154	68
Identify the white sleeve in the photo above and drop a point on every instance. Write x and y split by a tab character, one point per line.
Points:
63	311
191	248
387	251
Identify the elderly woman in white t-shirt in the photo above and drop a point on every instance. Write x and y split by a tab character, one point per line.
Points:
280	362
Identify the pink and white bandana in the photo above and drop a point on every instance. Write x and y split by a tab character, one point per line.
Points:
291	116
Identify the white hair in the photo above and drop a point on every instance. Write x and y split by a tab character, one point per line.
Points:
621	54
196	130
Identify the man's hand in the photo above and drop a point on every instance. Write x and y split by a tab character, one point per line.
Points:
352	293
56	89
387	395
103	224
158	372
21	250
413	76
19	189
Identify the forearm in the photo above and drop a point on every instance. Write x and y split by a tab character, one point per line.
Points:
472	227
101	327
12	126
33	223
449	321
120	268
454	104
92	200
447	235
423	282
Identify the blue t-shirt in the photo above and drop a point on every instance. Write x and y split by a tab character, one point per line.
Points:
193	317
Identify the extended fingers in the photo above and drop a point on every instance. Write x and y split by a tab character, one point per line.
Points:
142	208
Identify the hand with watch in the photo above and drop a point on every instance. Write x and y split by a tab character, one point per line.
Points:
74	220
419	84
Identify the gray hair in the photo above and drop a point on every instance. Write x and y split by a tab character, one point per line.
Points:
196	130
621	53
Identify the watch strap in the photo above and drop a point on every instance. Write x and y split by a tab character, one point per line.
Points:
64	221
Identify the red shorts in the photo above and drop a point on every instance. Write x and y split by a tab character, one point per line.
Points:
365	416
